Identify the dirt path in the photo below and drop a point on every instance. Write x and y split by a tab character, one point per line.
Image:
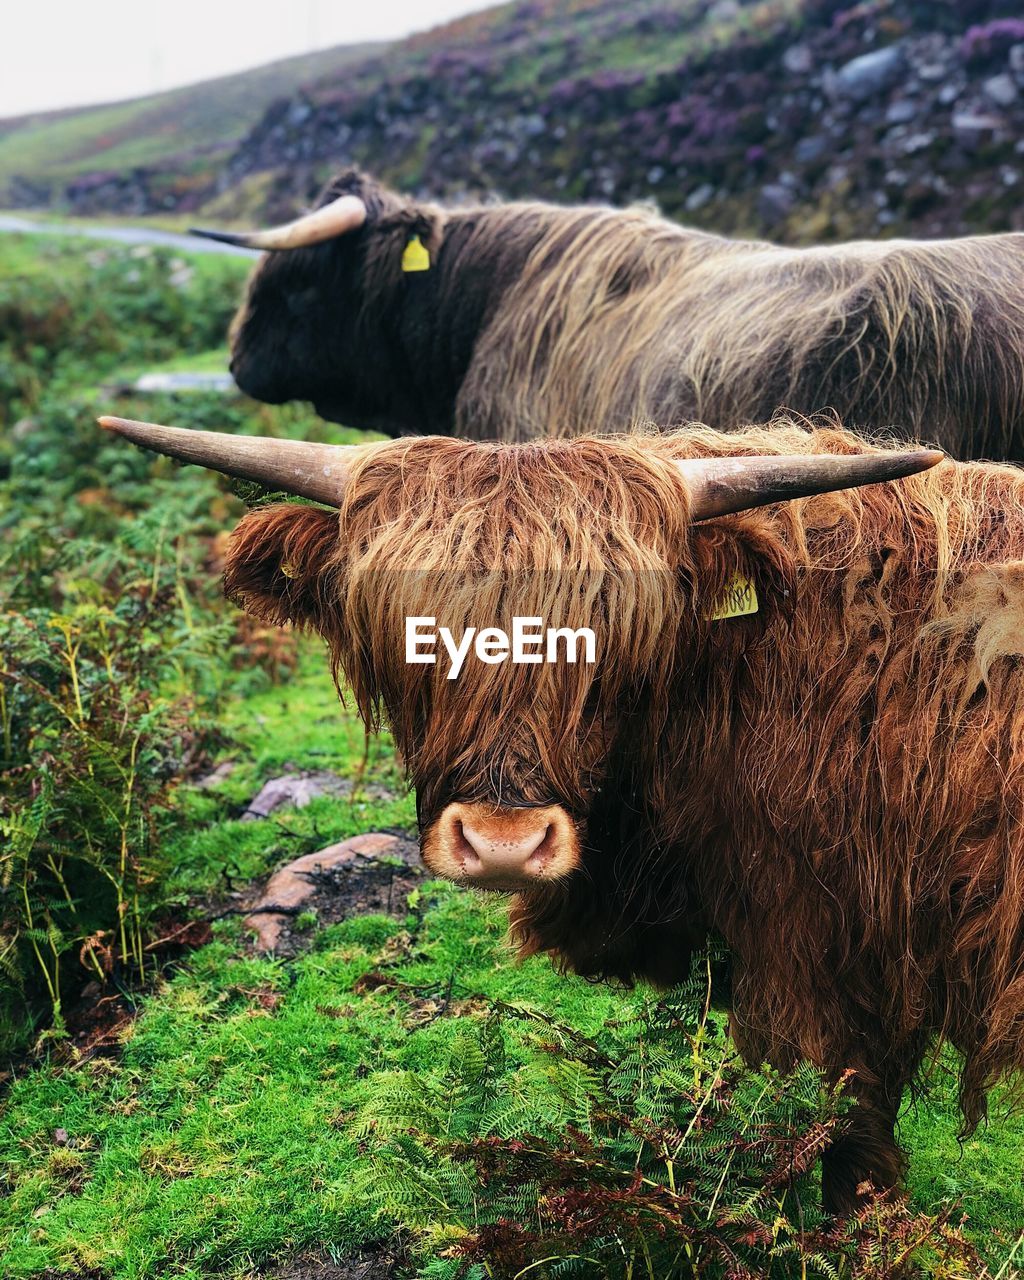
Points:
123	235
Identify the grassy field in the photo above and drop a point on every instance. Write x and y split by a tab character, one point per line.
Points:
240	1111
162	129
221	1136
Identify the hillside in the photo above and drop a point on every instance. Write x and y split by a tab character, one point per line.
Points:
180	136
799	119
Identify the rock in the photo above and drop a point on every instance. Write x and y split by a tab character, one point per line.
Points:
297	790
775	202
60	1137
224	770
809	150
798	60
971	123
294	884
917	142
868	75
697	199
902	111
160	383
1000	89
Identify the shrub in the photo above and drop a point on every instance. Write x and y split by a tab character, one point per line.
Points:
94	728
650	1152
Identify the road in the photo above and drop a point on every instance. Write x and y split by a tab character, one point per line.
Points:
123	235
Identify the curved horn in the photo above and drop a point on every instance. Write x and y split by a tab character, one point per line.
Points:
721	486
347	213
316	471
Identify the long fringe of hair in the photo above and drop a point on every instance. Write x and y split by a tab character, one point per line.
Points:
621	316
835	784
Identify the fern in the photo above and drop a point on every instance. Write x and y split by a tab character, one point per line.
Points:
647	1152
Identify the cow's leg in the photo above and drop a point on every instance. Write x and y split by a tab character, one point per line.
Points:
865	1158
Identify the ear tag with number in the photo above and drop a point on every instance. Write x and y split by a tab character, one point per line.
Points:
415	257
739	600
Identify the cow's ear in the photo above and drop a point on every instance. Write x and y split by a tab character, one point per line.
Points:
735	571
380	201
281	564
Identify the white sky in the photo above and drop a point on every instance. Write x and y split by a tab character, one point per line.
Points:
62	53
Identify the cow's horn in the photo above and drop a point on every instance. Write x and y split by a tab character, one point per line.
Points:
720	486
347	213
300	467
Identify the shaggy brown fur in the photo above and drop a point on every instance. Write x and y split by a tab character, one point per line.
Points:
835	785
589	319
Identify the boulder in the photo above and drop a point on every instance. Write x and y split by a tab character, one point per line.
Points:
294	790
1001	90
296	883
868	75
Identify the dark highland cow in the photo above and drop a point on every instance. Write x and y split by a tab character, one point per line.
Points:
834	783
493	322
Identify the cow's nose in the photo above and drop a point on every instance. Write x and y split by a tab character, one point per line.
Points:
501	848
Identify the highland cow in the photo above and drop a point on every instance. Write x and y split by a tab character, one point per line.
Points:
832	779
494	322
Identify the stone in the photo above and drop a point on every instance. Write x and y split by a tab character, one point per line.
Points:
1001	90
162	383
917	142
971	123
868	75
775	202
809	150
224	770
798	60
294	790
697	199
932	72
902	111
294	884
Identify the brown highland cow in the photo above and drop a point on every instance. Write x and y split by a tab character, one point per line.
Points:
833	783
494	322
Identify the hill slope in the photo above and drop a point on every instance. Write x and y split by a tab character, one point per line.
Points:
181	132
798	119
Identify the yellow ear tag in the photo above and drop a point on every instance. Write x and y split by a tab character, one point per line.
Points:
415	256
288	569
739	600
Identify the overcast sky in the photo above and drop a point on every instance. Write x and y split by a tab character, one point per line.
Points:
62	53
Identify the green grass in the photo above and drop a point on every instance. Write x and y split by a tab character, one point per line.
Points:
298	723
220	1137
72	262
216	1138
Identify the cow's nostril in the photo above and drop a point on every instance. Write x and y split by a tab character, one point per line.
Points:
464	849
